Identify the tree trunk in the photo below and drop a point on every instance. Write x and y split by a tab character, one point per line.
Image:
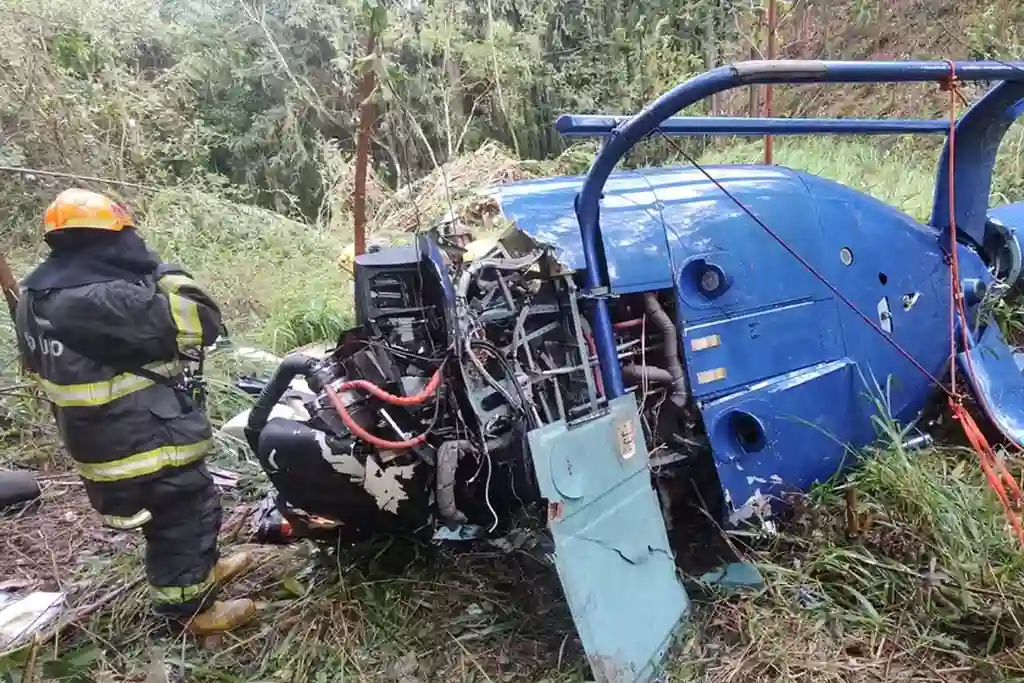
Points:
367	112
772	21
9	285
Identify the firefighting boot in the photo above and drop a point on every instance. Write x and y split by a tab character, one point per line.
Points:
228	568
222	616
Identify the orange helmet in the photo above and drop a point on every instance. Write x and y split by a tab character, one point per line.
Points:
77	208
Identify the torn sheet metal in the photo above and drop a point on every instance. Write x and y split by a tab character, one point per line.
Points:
612	552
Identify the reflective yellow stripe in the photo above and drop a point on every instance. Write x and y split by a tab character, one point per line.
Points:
141	464
179	594
184	310
101	393
125	523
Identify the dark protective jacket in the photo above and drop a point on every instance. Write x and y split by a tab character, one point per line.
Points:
85	345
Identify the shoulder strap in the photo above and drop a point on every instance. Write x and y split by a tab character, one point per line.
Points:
189	388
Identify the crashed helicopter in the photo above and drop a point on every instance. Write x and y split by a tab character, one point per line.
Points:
640	334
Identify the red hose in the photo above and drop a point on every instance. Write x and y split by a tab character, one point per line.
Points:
427	392
625	324
358	431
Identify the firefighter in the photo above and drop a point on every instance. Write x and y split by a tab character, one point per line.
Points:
105	327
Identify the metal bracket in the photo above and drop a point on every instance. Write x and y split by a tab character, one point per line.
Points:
596	293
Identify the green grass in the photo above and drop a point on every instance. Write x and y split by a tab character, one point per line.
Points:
276	279
896	173
929	587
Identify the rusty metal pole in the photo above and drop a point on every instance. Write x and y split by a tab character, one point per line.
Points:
752	94
10	288
367	112
9	285
772	20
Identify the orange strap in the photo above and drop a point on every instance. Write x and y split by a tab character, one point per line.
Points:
999	479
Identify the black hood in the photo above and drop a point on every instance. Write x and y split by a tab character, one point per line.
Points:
85	257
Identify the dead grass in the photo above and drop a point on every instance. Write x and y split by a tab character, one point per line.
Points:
930	588
392	612
927	587
451	186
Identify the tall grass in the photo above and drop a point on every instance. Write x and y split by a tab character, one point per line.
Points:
277	279
895	172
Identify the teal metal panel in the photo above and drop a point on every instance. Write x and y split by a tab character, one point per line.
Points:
611	548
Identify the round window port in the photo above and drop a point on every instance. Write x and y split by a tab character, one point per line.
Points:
703	279
747	431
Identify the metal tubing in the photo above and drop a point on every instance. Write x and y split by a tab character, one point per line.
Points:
719	80
590	125
979	133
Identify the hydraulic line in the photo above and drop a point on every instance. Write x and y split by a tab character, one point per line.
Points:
670	348
293	365
377	392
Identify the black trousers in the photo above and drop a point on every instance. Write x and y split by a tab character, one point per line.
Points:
184	519
181	542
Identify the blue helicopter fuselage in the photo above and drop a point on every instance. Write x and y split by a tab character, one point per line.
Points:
787	375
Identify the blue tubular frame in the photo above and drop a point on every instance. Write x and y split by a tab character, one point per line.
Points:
978	134
588	125
628	132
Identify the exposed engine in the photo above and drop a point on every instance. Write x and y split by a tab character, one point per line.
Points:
418	418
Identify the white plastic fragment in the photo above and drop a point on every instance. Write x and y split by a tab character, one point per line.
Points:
21	617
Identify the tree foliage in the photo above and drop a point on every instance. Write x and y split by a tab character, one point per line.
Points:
263	94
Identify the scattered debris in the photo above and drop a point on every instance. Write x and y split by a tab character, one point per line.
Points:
452	187
268	525
18	487
223	478
22	617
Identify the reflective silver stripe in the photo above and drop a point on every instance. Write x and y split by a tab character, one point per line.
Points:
141	464
106	391
184	310
125	523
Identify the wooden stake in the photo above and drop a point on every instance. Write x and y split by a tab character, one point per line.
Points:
366	115
772	20
9	285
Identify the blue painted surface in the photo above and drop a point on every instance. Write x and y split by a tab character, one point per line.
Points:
637	253
735	577
797	359
789	390
997	383
1010	215
588	125
748	73
806	418
979	133
611	549
704	228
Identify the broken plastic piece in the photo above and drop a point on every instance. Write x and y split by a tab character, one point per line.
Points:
22	617
734	576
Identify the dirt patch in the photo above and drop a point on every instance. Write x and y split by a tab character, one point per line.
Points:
44	541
